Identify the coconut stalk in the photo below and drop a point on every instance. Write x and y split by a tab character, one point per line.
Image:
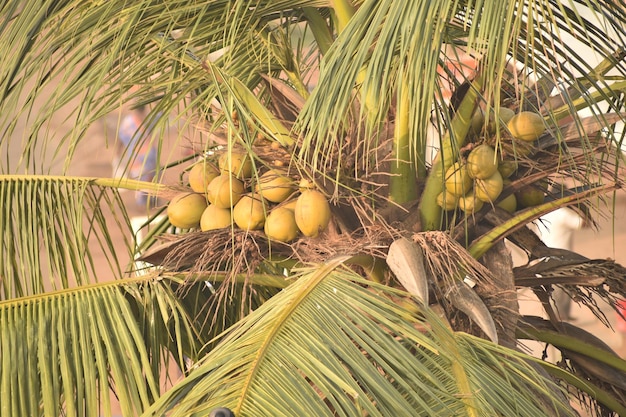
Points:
265	280
402	180
485	242
117	183
344	10
599	73
430	212
583	102
587	386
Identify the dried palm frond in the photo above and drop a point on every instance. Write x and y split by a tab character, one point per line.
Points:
584	280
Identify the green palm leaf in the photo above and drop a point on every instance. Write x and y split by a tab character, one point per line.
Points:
331	343
65	349
88	58
334	344
388	44
47	225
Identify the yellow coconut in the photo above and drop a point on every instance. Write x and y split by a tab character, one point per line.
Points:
482	162
312	213
214	218
526	126
201	174
291	204
225	191
249	213
236	162
275	186
469	203
457	180
447	201
185	210
281	225
530	196
489	189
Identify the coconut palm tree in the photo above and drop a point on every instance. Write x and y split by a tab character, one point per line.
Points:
405	304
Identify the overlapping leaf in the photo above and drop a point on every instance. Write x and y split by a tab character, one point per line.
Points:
61	352
331	344
46	227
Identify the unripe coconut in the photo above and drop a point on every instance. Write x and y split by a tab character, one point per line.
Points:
236	162
508	203
312	213
225	191
447	201
504	114
214	218
489	189
530	196
275	186
249	213
281	225
526	126
185	210
507	168
457	180
482	162
201	175
469	203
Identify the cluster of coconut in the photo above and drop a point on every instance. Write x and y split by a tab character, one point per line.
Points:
230	195
481	177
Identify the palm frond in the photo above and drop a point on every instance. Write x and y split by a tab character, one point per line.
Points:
96	59
52	230
61	352
383	41
334	344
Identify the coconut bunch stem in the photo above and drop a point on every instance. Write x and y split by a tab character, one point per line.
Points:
452	141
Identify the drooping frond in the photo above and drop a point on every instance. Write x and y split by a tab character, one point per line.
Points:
334	344
66	349
52	230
